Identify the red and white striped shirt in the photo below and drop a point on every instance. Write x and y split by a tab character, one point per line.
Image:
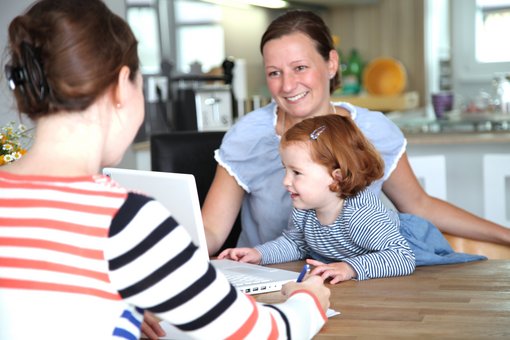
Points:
82	258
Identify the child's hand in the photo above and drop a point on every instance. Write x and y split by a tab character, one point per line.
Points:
337	271
250	255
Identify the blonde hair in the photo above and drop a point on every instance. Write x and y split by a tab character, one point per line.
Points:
337	143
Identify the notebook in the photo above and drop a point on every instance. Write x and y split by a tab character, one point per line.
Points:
178	192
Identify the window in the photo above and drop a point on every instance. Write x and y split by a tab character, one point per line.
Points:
479	43
492	28
142	17
200	36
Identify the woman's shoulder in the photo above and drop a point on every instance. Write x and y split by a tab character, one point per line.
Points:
384	134
370	122
254	124
253	134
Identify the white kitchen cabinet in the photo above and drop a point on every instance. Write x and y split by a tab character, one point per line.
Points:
464	156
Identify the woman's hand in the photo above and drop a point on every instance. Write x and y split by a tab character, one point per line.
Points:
315	285
150	326
249	255
337	271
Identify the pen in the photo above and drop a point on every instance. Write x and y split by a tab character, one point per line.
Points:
305	269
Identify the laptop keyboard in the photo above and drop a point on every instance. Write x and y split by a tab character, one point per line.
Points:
236	279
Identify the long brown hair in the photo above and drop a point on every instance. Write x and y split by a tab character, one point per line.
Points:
64	54
308	23
337	143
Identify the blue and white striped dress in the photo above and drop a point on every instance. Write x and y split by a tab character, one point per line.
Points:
366	235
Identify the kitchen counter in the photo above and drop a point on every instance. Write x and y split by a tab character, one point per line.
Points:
455	128
405	101
464	158
421	138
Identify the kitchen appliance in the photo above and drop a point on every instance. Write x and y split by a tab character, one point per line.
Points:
204	102
204	108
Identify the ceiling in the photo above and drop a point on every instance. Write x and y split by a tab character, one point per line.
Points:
334	3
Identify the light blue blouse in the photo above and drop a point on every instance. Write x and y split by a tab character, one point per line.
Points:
250	152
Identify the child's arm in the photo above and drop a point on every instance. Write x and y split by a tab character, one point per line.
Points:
388	254
291	246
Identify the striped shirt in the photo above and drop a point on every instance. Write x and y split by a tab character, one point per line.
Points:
366	235
82	258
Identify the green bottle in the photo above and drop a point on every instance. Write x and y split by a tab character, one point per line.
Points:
351	78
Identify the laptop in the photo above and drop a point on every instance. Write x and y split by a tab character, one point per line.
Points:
178	193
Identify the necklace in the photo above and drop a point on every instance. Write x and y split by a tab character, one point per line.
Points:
283	123
284	116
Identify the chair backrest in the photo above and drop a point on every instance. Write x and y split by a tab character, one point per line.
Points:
493	251
191	152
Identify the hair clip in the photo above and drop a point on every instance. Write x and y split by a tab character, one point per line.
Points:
28	77
34	71
317	132
15	76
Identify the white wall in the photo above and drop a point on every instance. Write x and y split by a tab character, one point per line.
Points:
242	41
8	10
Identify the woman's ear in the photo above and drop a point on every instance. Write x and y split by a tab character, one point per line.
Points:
333	62
122	90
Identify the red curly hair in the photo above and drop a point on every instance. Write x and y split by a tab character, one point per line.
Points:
342	148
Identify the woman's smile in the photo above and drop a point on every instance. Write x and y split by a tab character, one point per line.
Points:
297	97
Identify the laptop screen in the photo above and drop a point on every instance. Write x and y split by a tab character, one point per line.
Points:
177	192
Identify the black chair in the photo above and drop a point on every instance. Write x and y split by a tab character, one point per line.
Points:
191	152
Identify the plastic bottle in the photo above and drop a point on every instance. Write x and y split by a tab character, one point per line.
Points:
502	84
351	78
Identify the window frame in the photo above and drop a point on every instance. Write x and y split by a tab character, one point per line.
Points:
466	68
180	65
155	6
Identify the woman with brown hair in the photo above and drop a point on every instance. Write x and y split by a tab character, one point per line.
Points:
80	256
338	224
301	67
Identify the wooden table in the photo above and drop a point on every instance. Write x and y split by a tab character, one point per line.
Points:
470	300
